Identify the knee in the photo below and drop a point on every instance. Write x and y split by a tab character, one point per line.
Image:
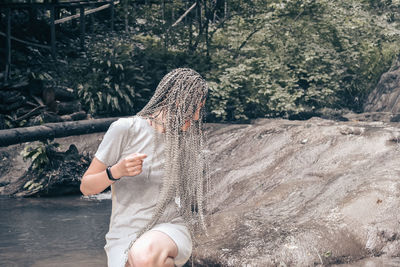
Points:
143	255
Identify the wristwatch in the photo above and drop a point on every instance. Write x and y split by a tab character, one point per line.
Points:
108	171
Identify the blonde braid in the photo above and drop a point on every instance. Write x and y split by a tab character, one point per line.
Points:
186	171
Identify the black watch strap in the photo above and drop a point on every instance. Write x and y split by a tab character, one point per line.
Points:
108	171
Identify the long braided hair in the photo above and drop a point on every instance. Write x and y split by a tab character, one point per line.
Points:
178	97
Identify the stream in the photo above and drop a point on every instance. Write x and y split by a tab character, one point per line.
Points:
47	232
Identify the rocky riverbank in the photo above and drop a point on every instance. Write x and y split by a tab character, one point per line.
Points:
303	193
290	193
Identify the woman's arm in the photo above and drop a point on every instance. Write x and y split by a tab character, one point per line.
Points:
95	179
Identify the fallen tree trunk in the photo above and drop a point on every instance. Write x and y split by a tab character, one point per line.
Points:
63	93
70	107
80	115
7	107
53	130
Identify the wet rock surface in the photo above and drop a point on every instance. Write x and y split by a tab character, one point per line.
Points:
303	193
386	96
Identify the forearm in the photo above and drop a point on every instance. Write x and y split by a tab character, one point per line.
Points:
95	180
95	183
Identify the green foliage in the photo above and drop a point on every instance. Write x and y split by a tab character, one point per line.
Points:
104	81
119	74
178	26
285	57
39	155
262	58
11	121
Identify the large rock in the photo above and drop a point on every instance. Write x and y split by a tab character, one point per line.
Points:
386	96
303	193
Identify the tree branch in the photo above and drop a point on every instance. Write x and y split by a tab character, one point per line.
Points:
248	38
184	15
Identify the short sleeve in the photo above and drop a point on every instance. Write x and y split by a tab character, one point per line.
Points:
114	140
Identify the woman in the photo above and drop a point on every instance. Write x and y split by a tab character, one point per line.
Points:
155	165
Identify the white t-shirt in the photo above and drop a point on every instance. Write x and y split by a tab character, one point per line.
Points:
134	198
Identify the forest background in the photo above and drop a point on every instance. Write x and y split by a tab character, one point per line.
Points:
275	58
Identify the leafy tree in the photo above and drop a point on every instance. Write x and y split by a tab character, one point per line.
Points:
278	58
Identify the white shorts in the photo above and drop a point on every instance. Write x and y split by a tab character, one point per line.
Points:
177	232
181	236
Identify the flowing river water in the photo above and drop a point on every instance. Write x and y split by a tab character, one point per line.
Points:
49	232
